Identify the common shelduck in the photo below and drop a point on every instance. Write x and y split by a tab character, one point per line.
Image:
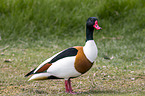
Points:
71	62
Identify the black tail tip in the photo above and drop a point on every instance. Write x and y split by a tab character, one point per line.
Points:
26	75
30	73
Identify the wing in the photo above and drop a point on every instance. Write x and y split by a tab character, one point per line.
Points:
47	63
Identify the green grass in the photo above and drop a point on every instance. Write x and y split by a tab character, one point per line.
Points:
32	30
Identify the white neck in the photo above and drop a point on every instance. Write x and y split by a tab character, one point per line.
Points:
90	50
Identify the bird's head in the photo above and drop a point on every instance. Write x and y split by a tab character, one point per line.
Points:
92	23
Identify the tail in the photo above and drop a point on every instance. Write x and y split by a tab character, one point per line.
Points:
40	76
30	73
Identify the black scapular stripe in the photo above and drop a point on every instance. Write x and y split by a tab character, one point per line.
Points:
66	53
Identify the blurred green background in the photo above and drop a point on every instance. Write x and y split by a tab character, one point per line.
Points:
48	20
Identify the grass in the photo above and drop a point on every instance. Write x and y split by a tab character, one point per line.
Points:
32	31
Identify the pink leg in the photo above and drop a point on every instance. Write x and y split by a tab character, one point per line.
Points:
66	86
70	88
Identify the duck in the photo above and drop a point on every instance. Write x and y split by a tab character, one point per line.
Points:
71	62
